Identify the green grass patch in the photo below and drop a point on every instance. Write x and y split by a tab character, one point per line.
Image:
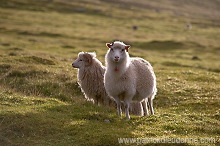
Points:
41	102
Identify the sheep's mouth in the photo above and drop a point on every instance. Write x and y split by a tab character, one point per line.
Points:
116	60
74	66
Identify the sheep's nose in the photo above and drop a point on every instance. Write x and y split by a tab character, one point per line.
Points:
116	58
73	65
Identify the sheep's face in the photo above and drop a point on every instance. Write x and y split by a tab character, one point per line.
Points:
117	51
83	60
78	62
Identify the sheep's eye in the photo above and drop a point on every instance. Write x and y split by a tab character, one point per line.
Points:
122	50
80	60
112	50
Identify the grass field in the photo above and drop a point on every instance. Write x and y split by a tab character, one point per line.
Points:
41	103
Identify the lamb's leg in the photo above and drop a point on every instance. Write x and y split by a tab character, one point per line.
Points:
150	101
144	104
96	101
107	103
136	108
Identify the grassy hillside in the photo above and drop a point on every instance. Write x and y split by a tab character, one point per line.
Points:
41	103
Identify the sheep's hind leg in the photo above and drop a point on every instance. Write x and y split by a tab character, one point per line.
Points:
150	101
144	104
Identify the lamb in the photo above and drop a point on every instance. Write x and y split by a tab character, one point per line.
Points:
90	78
128	78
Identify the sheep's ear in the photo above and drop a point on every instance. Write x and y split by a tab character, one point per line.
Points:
88	59
108	45
127	47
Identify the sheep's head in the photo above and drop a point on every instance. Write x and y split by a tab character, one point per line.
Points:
117	50
83	60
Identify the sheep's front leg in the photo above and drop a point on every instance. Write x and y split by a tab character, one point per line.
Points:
127	105
127	110
118	102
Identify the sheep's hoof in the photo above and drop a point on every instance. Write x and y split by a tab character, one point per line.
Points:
128	117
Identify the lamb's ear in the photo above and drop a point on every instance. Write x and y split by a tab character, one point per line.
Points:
93	54
127	47
88	59
108	45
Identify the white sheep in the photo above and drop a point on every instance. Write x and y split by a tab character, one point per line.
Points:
128	79
90	78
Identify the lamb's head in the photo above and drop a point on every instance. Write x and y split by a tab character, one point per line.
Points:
117	51
83	60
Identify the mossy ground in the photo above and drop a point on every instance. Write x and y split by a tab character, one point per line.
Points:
41	103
